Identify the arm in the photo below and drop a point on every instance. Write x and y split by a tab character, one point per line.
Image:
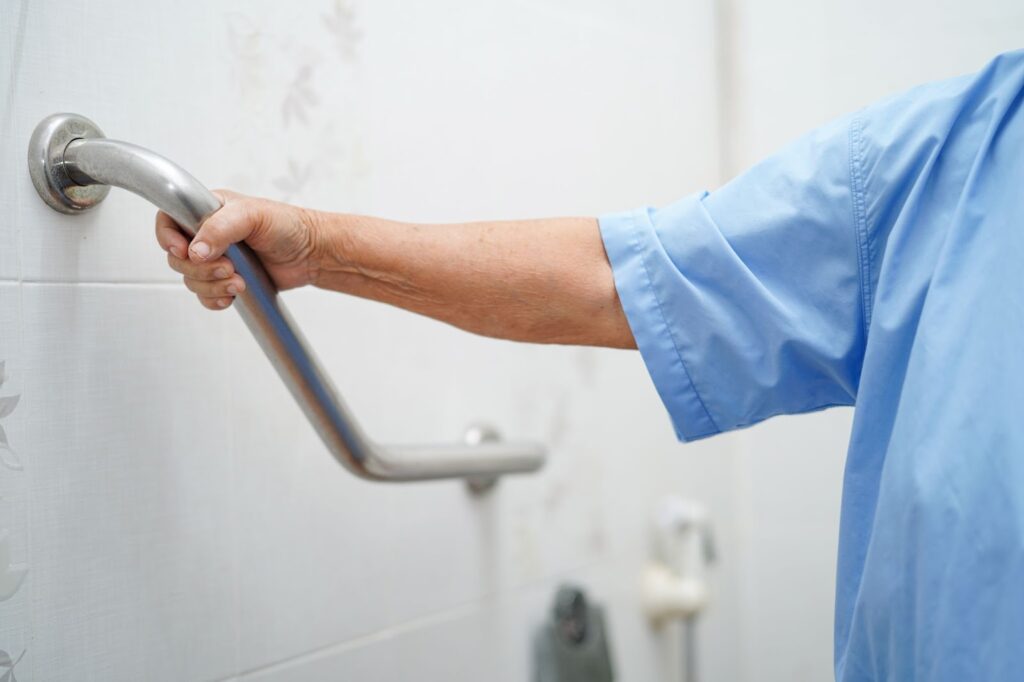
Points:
545	281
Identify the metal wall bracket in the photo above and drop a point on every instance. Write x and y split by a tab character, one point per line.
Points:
46	163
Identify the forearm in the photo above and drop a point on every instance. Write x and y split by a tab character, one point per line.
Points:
545	281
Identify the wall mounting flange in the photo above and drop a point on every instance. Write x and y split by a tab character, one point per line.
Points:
475	435
46	163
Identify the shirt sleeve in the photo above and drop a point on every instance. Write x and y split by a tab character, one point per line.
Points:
747	302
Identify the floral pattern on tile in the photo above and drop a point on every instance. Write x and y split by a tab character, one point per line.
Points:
8	457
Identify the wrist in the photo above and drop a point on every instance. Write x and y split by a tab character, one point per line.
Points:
316	225
332	237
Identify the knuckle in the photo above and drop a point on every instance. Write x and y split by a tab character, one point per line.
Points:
222	269
166	228
234	285
212	288
203	273
176	264
201	287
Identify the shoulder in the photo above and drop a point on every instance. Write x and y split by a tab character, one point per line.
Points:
934	113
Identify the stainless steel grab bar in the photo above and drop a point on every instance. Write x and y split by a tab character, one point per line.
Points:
72	166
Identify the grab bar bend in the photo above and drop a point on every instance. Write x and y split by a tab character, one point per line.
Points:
72	166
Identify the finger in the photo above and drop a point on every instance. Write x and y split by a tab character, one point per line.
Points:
232	223
169	235
221	268
218	288
216	303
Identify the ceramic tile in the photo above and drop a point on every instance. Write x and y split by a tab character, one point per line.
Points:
803	63
12	156
489	640
132	87
12	195
15	500
545	121
125	446
271	104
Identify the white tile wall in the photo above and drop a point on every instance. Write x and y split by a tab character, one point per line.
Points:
15	498
12	39
123	439
490	641
800	63
144	73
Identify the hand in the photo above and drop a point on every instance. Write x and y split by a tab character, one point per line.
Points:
286	238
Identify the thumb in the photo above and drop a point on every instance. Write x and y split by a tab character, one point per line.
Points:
234	222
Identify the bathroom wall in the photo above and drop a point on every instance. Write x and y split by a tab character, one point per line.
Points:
796	64
166	513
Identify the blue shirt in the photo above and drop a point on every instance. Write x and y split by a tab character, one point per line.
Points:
876	262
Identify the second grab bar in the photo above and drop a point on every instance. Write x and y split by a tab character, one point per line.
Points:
72	163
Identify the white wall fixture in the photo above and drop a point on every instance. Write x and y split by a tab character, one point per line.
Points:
573	644
674	584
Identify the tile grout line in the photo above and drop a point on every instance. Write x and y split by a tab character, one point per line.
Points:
444	615
360	641
141	284
8	126
29	471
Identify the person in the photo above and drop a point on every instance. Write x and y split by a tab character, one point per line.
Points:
876	261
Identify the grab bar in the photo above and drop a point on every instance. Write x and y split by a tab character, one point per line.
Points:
72	166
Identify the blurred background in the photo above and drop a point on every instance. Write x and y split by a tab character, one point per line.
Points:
166	512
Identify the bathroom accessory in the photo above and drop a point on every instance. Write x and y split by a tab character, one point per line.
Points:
675	583
572	646
73	165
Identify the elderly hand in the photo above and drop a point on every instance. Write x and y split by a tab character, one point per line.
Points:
286	238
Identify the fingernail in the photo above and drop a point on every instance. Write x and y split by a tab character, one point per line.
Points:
224	302
220	273
232	289
201	249
175	251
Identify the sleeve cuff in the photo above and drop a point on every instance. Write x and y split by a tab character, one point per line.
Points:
628	236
